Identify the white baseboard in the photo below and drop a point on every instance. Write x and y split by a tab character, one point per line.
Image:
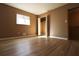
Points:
58	37
8	38
15	37
38	37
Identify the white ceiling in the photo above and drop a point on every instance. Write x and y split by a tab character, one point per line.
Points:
36	8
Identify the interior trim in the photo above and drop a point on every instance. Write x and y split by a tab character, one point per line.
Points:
58	37
16	37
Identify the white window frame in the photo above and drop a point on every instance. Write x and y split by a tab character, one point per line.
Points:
22	19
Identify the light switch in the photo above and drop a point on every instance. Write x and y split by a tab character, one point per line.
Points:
66	21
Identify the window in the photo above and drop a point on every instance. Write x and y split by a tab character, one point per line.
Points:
22	20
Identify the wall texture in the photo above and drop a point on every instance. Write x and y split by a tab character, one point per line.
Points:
8	26
58	20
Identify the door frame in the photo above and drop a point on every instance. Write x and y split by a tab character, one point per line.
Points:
46	26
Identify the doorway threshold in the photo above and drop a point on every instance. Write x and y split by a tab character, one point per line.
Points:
42	37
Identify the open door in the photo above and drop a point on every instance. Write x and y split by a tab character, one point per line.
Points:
74	23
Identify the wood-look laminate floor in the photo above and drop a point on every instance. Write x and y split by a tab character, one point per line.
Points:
39	47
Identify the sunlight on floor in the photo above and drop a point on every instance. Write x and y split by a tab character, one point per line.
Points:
42	37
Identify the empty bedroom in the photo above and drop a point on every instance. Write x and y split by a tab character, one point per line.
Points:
39	29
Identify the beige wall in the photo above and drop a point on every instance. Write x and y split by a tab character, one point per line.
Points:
8	26
58	26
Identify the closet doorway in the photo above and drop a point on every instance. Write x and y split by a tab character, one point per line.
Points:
43	26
